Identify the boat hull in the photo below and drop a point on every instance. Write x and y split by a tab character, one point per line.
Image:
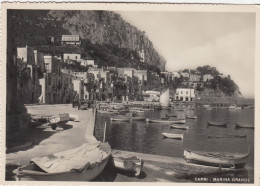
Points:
120	119
167	121
133	166
66	176
173	136
206	159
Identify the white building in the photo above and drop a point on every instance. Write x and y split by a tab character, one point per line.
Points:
70	39
207	77
67	56
184	94
185	74
87	62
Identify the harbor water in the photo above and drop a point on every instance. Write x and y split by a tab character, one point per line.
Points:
140	136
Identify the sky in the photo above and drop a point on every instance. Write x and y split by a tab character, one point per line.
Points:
191	39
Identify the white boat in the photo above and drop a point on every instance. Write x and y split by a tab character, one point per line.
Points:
120	118
165	98
173	136
180	127
244	125
183	121
216	123
80	164
136	118
206	106
59	121
128	163
221	159
147	109
233	107
107	111
191	117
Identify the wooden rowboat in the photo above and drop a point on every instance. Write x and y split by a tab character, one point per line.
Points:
180	127
107	111
50	168
147	109
191	117
171	115
221	159
228	136
166	121
59	121
244	125
121	118
136	118
129	164
215	123
173	136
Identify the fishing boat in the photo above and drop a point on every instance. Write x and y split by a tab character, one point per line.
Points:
183	121
191	117
83	163
233	107
147	109
180	127
215	123
244	125
120	118
107	111
179	109
128	163
228	136
206	106
171	115
165	118
43	118
164	99
173	136
248	107
136	118
220	159
59	121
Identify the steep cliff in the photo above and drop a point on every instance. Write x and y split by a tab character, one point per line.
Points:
105	27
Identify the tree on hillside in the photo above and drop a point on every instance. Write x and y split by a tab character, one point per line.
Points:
208	70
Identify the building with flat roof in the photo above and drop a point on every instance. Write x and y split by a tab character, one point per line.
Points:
70	39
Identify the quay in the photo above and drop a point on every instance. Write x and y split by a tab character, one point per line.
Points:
47	141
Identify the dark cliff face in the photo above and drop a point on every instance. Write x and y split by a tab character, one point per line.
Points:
105	27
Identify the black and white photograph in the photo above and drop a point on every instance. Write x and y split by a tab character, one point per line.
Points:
139	95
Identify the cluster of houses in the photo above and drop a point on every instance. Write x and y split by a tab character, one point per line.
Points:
41	79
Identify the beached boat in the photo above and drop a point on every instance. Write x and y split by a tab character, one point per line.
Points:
171	115
80	164
180	127
120	118
73	117
164	99
43	118
191	117
183	121
59	121
244	125
130	164
173	136
220	159
215	123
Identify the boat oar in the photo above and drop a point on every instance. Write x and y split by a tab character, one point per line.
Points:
105	128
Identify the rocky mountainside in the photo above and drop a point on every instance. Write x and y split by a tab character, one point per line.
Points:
106	27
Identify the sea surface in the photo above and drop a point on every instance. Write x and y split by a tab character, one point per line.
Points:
139	136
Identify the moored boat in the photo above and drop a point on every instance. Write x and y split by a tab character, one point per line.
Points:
191	117
228	136
136	118
220	159
80	164
215	123
179	109
120	118
183	121
107	111
244	125
173	136
171	115
164	99
180	127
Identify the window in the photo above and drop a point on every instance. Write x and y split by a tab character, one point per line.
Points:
186	92
76	57
181	92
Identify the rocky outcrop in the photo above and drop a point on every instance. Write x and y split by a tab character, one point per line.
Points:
106	27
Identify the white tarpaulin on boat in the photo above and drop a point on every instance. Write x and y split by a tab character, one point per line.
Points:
78	158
